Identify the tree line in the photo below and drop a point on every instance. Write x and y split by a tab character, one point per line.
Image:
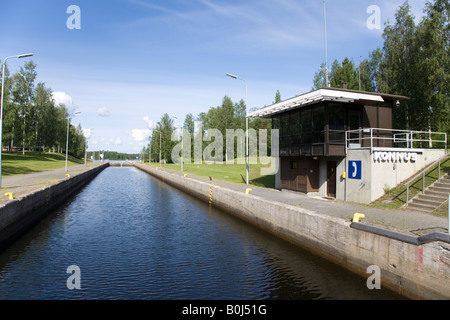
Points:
414	62
228	115
31	119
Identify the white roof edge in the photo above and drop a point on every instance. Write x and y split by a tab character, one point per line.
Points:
323	94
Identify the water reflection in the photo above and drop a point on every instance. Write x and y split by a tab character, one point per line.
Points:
134	237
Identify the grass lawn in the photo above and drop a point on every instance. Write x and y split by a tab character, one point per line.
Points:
14	163
235	173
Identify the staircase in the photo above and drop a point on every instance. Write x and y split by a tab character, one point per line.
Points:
435	195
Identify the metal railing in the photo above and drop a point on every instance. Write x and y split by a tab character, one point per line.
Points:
370	138
422	173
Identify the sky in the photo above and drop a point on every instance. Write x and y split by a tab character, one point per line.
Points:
119	65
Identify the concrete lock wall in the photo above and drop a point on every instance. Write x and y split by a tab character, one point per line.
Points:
18	215
415	271
381	170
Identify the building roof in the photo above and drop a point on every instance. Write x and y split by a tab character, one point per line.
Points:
320	95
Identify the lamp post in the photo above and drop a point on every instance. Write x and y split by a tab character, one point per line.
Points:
1	103
159	145
85	149
181	128
67	140
246	122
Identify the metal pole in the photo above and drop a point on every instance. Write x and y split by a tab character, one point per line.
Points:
67	141
326	49
182	133
1	121
246	130
160	148
423	182
246	125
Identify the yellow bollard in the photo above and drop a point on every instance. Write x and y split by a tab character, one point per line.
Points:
358	216
248	191
9	195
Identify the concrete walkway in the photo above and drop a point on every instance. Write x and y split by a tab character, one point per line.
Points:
21	185
405	221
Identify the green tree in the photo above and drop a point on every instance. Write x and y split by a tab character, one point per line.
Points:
23	94
344	73
45	117
400	58
319	80
433	66
165	126
189	126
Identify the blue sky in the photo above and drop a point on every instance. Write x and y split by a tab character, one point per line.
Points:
134	60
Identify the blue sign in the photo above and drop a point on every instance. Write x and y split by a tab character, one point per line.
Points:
354	169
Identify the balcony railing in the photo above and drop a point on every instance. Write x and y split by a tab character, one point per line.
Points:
375	138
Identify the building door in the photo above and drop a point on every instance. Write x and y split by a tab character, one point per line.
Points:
331	179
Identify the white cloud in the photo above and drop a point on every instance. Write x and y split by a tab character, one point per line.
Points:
149	122
139	135
103	112
64	99
87	133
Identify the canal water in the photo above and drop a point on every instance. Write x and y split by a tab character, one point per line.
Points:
133	237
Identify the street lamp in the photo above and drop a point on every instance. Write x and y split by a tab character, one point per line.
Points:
67	140
159	145
246	122
85	148
181	128
1	107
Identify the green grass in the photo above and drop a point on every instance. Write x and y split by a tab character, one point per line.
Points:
235	173
14	163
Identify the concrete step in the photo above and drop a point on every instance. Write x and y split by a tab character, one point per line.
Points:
440	189
441	184
425	202
420	207
437	194
431	197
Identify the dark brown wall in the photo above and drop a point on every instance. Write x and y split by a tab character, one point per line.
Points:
304	178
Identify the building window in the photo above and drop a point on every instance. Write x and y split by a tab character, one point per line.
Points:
306	127
336	123
293	165
318	120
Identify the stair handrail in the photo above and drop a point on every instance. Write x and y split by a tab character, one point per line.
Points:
422	173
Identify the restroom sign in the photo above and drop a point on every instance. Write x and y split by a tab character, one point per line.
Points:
354	169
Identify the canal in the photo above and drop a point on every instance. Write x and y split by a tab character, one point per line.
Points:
134	237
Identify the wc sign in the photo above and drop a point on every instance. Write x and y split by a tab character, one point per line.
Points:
354	169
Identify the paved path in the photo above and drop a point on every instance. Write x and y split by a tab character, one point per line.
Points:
406	221
21	185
